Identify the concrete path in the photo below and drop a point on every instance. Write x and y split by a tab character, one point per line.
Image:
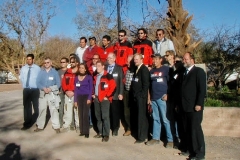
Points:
48	145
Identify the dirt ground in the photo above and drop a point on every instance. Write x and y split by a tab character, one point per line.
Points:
48	145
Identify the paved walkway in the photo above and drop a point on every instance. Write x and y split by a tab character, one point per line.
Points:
48	145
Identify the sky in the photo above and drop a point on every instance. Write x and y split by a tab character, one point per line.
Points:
208	14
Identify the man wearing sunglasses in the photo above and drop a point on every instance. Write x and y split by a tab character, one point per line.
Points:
143	46
48	82
162	44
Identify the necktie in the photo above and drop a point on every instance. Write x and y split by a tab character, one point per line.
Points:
110	69
28	77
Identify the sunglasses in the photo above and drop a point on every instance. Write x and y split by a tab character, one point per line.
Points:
166	55
121	35
72	62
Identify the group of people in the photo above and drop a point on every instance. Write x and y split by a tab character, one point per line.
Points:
143	85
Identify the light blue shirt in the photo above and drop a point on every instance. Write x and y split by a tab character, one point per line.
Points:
35	69
112	67
46	79
97	83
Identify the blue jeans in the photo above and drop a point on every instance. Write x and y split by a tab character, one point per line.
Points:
159	116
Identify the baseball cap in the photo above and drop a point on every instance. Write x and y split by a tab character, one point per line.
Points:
92	37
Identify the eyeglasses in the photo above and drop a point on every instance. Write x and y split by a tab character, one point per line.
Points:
121	35
141	33
72	62
63	62
159	34
166	55
46	62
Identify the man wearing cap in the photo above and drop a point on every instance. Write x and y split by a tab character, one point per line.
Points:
158	96
90	51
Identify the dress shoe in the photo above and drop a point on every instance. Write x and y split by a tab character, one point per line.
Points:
184	153
81	134
86	135
105	139
98	136
139	141
195	158
127	133
115	133
152	142
38	130
169	145
57	130
24	128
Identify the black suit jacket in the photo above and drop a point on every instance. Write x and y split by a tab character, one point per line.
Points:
117	74
140	82
193	89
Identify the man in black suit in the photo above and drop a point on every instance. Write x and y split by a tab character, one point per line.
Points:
139	86
193	91
116	110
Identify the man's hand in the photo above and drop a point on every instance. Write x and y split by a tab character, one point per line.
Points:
70	94
164	98
75	104
88	101
198	108
45	90
120	97
105	98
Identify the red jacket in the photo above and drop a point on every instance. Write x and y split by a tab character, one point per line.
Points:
68	80
106	87
122	50
103	52
144	47
88	54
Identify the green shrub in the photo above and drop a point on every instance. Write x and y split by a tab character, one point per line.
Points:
213	102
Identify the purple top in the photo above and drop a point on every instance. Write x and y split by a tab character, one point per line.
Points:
83	87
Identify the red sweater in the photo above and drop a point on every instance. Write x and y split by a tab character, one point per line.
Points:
144	47
122	50
68	80
106	87
103	52
88	54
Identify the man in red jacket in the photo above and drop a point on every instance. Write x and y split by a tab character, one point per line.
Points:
90	51
143	46
68	89
106	48
122	49
103	93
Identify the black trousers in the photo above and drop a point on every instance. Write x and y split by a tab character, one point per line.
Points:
127	104
30	99
195	137
83	113
115	114
102	116
141	104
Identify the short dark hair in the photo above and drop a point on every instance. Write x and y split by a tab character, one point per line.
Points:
31	55
107	37
84	39
122	31
163	31
66	59
143	29
72	54
76	59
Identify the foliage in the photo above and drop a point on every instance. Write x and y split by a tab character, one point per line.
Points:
222	98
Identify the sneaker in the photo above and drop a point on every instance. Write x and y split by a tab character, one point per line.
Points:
169	145
66	129
152	142
38	130
127	133
57	130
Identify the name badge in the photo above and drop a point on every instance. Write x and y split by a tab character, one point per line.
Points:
50	78
136	80
77	84
115	75
105	85
105	52
160	73
159	80
175	76
143	56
